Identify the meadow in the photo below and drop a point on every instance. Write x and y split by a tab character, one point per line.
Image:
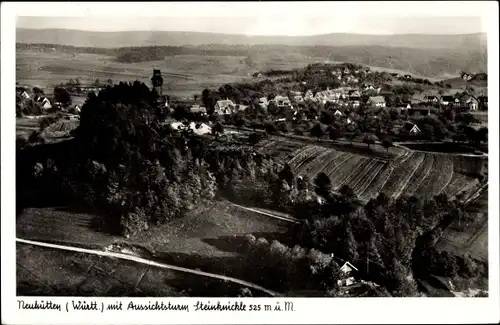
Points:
208	239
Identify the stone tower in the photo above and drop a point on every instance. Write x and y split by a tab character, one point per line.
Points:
157	81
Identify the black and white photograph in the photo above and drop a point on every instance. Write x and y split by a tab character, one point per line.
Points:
252	155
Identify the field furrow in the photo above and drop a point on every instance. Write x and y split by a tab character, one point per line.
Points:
314	170
362	174
405	177
367	181
336	163
445	177
400	169
312	154
319	159
338	174
298	155
419	176
437	178
345	171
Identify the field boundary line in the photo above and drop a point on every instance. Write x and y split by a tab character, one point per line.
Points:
150	263
398	193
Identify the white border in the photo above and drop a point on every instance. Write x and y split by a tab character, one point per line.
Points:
309	310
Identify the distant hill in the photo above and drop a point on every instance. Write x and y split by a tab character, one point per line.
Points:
435	56
150	38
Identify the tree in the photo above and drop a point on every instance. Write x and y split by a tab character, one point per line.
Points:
369	139
317	131
482	134
282	127
270	128
333	133
254	138
239	121
323	184
217	129
349	245
62	95
286	174
387	143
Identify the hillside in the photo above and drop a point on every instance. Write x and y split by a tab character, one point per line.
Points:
412	173
159	38
426	55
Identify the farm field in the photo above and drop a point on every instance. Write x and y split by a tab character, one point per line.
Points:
469	236
44	271
418	173
184	75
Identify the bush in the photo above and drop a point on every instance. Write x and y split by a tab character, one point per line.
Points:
292	268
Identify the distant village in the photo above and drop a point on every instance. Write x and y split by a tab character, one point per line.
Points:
343	101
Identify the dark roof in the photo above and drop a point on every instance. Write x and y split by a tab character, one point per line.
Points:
448	98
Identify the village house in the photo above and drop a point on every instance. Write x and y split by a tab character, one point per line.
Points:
472	104
377	101
298	99
466	76
283	102
469	102
308	95
197	128
431	99
263	102
354	94
197	109
224	107
447	100
411	128
338	113
347	278
24	93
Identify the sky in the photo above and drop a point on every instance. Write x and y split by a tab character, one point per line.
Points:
292	26
262	18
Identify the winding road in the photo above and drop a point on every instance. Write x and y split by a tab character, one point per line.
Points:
148	262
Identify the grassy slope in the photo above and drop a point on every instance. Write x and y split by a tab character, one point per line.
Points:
47	272
472	237
208	239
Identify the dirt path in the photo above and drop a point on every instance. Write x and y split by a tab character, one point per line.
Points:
148	262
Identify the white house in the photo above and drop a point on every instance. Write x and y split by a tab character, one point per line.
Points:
224	107
346	270
197	109
25	94
411	128
198	128
377	101
46	103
